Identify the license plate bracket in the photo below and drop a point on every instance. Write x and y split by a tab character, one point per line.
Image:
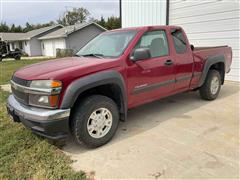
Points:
12	115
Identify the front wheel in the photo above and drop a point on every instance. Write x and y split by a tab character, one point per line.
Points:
212	85
95	120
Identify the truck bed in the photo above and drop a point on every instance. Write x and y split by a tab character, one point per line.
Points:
205	52
207	47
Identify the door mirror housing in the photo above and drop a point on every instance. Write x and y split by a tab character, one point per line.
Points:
140	54
192	47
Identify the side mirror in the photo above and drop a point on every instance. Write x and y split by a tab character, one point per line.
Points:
140	54
192	47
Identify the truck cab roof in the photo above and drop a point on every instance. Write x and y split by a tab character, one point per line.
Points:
145	28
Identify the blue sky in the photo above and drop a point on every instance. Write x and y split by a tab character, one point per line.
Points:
21	11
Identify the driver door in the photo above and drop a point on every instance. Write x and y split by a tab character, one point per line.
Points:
151	78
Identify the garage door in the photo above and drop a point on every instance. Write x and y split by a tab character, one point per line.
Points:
50	46
47	46
58	44
210	23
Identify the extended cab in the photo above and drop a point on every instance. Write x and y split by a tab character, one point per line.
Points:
88	94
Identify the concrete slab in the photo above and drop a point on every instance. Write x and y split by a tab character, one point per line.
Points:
6	87
178	137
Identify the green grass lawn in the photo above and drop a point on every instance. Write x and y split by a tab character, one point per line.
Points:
8	67
24	155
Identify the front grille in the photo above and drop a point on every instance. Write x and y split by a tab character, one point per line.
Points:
20	81
19	95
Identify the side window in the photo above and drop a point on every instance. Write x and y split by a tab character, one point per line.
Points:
179	41
156	41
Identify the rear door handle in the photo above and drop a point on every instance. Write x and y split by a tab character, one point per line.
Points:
168	62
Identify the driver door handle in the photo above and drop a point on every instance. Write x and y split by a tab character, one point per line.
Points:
168	62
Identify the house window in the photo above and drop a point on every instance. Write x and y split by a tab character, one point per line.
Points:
25	42
43	45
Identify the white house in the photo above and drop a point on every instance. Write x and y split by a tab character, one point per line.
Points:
13	39
28	42
206	22
45	41
69	37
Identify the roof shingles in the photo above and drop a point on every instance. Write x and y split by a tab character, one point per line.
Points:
62	32
11	36
65	31
27	35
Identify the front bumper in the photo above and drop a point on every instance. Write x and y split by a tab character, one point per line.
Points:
53	124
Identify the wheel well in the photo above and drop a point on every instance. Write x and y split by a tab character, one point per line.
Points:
110	90
220	67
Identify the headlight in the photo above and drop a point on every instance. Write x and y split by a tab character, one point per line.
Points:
45	93
43	100
45	84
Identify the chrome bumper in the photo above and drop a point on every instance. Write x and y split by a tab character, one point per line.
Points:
53	124
35	114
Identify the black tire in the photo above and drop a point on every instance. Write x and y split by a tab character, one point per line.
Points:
17	57
81	113
205	90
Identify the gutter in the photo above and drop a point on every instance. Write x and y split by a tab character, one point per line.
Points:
52	37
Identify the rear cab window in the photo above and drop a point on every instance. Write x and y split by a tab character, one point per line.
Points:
179	41
155	41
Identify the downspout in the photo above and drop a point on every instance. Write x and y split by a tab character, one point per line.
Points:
167	11
120	12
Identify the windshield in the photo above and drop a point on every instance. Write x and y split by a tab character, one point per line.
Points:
110	44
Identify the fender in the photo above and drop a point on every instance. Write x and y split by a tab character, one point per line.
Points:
209	62
90	81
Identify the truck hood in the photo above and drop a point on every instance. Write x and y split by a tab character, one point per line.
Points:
60	68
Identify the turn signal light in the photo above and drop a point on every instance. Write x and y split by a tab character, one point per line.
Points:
55	84
53	100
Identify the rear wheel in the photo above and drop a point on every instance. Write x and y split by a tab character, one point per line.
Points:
95	120
212	85
17	57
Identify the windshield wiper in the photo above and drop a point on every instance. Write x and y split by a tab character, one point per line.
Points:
93	55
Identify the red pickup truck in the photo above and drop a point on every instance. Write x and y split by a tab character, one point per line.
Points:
87	95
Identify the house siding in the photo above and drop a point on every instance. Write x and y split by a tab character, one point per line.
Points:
14	45
143	13
11	45
35	43
78	39
26	47
35	47
210	23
